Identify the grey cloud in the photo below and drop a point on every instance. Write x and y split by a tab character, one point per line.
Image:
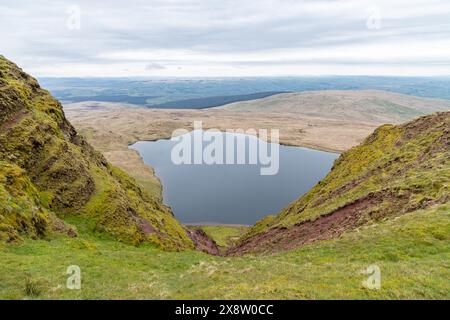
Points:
154	66
35	31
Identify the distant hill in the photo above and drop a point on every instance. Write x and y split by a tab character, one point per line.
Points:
48	172
209	102
357	105
395	171
139	100
154	91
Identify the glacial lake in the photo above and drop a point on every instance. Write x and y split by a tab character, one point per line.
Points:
233	193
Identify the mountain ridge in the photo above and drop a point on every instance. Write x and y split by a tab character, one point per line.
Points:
49	172
367	105
396	170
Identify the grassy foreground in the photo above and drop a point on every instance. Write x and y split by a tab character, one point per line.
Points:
412	251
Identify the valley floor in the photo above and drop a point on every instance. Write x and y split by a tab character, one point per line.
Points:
412	252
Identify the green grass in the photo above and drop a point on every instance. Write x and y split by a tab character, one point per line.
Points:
413	252
410	162
224	235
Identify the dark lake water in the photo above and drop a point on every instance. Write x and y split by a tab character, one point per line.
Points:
233	193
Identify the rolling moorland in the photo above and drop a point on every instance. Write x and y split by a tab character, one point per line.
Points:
325	120
173	91
385	202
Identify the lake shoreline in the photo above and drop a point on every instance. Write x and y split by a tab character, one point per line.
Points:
216	224
228	190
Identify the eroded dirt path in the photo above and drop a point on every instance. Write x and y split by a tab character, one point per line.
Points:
324	227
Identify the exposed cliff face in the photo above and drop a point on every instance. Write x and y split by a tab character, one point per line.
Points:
48	171
396	170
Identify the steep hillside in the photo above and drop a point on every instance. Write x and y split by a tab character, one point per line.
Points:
386	203
396	170
370	106
49	172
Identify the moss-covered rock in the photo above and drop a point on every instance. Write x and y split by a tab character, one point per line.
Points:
22	210
47	171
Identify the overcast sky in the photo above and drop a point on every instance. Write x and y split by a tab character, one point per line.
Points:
227	37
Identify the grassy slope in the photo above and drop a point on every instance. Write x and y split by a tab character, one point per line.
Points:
413	252
403	167
64	176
